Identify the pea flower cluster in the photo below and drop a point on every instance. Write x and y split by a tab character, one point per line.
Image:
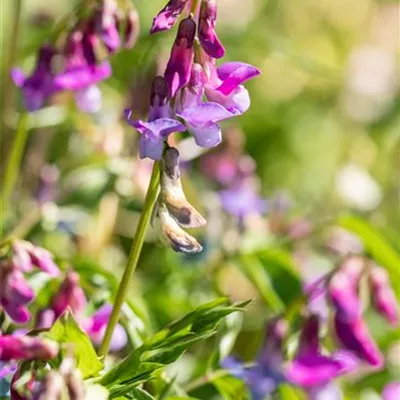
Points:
105	28
15	292
191	76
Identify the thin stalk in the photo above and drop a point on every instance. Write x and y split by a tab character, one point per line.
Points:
137	244
12	167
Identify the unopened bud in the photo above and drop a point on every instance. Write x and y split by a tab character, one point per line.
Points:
172	193
382	295
131	28
178	239
167	17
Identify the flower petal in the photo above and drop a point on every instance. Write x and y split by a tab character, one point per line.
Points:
236	103
234	74
89	99
18	76
208	135
204	113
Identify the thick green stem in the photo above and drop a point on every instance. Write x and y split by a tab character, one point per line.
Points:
13	165
137	244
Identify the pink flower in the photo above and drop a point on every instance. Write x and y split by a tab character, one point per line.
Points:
167	17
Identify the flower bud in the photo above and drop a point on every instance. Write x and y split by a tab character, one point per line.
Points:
192	94
382	295
159	106
178	239
131	28
207	35
172	193
355	337
167	17
26	348
106	23
178	70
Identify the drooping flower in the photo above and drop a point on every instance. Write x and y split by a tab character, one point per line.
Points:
39	86
383	298
207	35
167	17
178	70
26	348
311	369
160	123
354	336
264	377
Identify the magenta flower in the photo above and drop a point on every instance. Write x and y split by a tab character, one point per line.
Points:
167	17
178	70
106	23
383	298
225	85
354	336
391	391
96	327
40	85
26	348
264	377
312	370
207	35
241	200
81	76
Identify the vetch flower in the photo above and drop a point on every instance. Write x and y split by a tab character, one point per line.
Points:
167	17
26	348
178	70
354	336
264	377
225	85
311	369
241	200
383	298
160	124
39	86
207	35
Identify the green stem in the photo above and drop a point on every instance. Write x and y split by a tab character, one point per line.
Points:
137	244
13	164
194	7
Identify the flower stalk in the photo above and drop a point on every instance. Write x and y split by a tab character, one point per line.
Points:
137	244
12	168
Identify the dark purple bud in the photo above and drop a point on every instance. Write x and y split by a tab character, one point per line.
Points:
159	105
343	288
131	28
26	348
355	337
207	35
179	66
382	295
192	94
70	294
167	17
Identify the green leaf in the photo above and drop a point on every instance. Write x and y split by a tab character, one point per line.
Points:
376	246
231	388
287	392
66	330
140	394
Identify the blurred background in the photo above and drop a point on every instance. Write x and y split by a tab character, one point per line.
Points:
320	144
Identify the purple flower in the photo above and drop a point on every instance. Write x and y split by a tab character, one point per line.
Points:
383	297
160	123
26	348
354	336
96	326
41	84
167	17
391	391
207	35
106	23
242	200
225	85
264	377
177	73
310	369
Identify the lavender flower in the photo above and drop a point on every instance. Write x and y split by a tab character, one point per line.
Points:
178	70
241	200
167	17
40	85
26	348
160	124
264	377
207	35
